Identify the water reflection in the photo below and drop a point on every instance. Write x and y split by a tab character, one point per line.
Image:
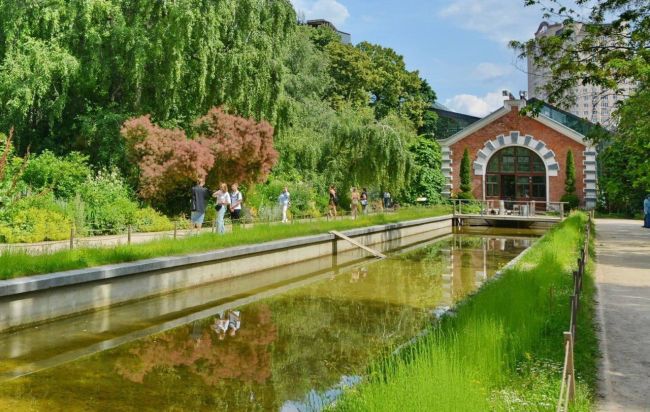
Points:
292	351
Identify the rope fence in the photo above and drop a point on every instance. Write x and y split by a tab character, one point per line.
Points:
568	386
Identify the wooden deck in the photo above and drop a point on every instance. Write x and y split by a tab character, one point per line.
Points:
471	219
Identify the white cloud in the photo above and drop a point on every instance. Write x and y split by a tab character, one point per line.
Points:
330	10
476	105
491	71
500	20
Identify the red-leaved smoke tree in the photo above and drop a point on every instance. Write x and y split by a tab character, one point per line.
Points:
242	148
167	159
228	149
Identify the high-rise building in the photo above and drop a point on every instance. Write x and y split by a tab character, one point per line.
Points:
592	102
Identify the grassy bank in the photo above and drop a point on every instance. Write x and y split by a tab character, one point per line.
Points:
503	349
16	264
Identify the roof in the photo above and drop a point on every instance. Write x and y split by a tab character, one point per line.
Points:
507	107
323	22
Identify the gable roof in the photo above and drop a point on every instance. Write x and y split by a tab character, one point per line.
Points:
507	107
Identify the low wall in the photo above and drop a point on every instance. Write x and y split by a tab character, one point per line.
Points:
35	299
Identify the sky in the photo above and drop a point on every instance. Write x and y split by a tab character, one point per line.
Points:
459	46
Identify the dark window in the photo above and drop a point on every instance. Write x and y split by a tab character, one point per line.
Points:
492	185
516	173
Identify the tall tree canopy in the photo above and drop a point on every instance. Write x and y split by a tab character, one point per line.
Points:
613	49
68	65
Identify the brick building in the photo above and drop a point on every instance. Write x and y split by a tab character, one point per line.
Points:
521	158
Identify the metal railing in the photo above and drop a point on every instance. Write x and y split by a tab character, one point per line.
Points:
508	208
568	386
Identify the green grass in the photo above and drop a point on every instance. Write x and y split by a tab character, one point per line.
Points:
16	264
503	350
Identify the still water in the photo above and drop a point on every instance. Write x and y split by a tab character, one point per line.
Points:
290	346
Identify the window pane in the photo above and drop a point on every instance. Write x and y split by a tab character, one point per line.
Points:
492	186
523	187
538	165
508	151
523	164
493	164
539	187
508	164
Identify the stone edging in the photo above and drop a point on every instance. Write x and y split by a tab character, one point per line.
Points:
78	276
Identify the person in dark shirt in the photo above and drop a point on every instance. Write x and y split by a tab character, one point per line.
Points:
200	194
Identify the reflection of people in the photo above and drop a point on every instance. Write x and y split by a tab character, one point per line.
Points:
234	322
646	212
354	278
199	196
364	272
284	199
230	321
221	326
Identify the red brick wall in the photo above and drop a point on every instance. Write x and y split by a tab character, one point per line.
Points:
512	121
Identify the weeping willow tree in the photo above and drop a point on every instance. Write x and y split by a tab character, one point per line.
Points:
370	152
71	71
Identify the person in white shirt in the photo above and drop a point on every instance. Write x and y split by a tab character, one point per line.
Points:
236	199
284	199
223	202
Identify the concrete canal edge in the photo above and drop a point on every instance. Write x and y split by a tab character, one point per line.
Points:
30	300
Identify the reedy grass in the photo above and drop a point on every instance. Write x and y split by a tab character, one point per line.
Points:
15	264
503	349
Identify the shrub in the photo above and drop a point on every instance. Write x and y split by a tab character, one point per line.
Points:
109	208
572	199
63	175
465	177
148	220
36	225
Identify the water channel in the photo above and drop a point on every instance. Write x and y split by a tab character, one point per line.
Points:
289	345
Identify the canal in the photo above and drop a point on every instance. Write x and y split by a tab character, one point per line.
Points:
291	345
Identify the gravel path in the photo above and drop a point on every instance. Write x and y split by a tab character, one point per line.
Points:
623	279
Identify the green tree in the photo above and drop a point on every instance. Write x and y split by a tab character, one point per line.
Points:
174	60
352	73
428	179
466	176
606	47
570	182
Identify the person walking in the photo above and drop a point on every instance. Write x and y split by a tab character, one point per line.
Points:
364	201
354	200
284	199
646	212
333	202
198	200
223	202
386	199
236	199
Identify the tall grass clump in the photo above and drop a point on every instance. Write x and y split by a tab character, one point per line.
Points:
15	264
502	349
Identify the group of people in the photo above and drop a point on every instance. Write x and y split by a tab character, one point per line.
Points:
232	201
224	201
228	323
356	200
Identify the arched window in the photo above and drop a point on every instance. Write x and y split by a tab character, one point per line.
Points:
515	173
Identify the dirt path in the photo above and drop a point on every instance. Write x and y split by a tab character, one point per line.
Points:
623	278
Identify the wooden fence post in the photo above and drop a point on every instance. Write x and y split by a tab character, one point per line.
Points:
568	338
128	235
175	228
72	233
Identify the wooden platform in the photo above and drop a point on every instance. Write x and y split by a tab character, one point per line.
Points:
506	220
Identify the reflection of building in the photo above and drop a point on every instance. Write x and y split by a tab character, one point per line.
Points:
345	37
521	158
593	103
